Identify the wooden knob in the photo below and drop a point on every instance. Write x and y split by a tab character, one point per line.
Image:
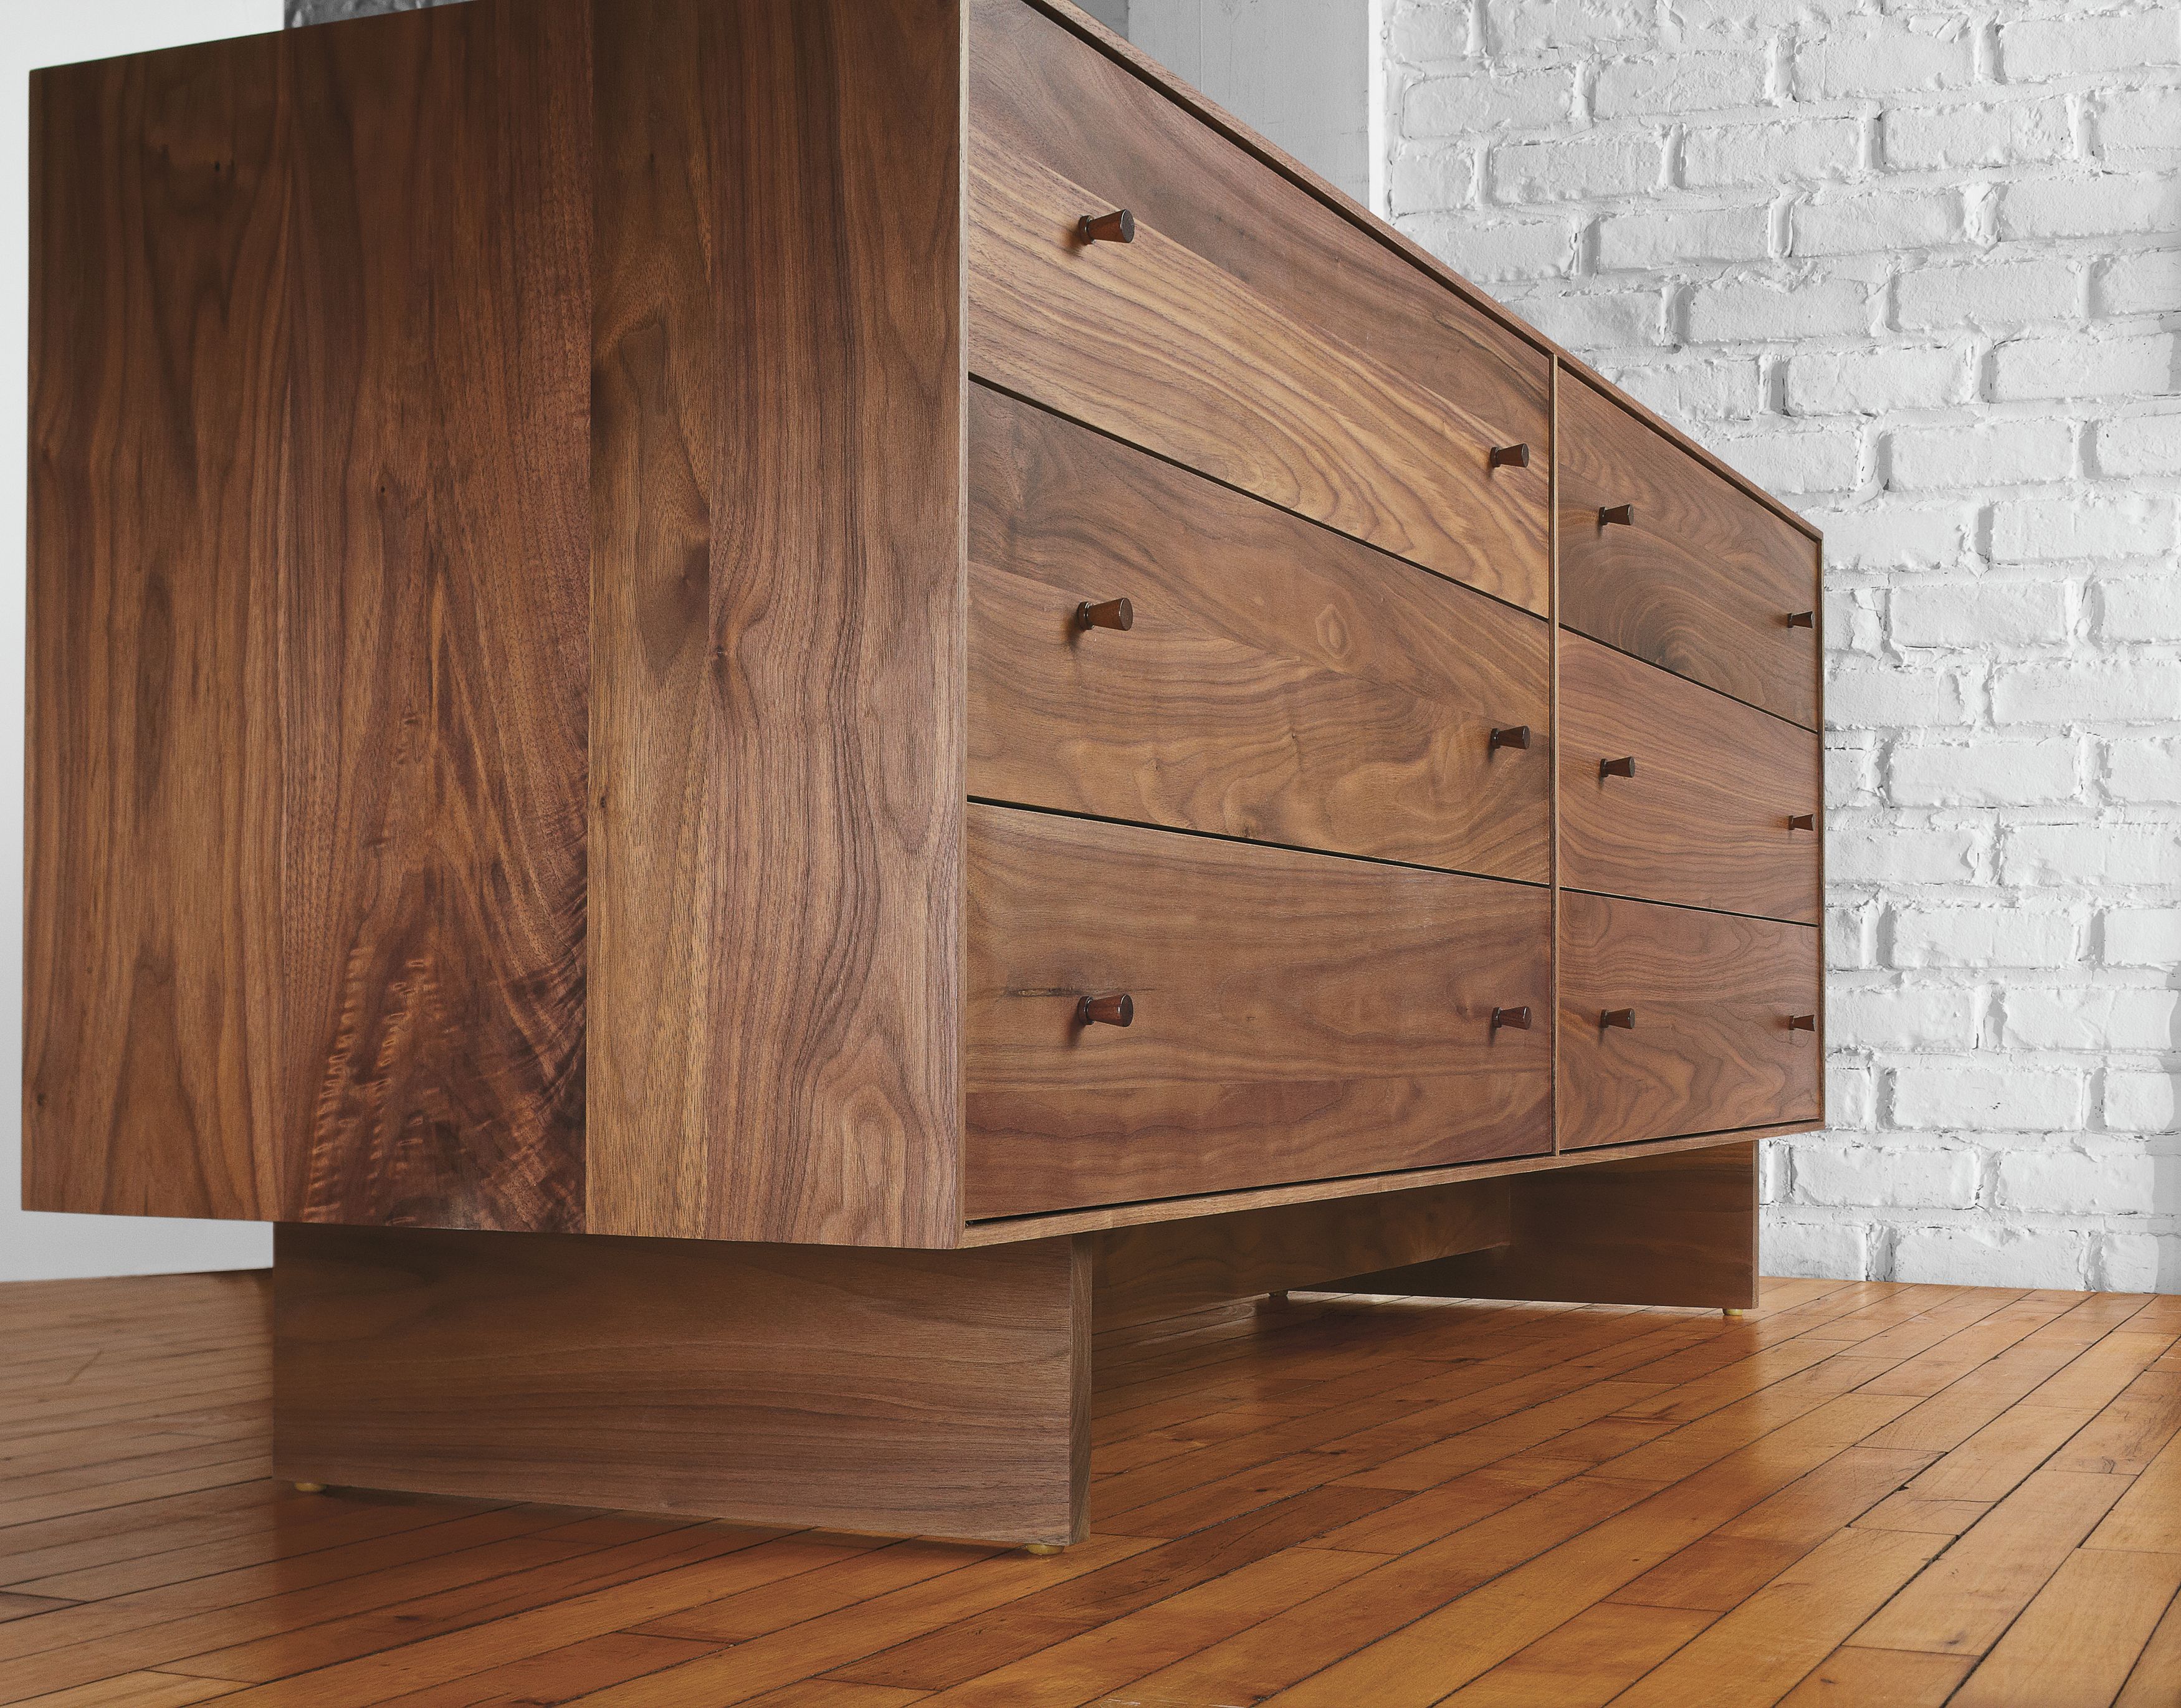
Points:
1516	736
1118	227
1519	1019
1510	456
1105	1011
1803	820
1617	515
1618	1017
1112	613
1801	619
1617	768
1802	1023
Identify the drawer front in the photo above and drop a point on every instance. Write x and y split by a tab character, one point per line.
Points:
1279	683
1296	1016
1708	1047
1708	819
1247	331
1703	581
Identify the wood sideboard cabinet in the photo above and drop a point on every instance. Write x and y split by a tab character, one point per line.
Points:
761	706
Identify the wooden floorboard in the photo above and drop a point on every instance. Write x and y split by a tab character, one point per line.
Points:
1860	1494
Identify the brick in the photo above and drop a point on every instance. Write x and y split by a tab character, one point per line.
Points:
1991	1257
2086	692
2138	1102
1748	17
1854	623
2140	127
1870	382
1865	58
1885	1176
2129	1263
1677	236
1983	937
1786	462
1895	536
2038	50
1672	84
2143	770
1486	249
2140	937
2004	614
1976	133
1594	320
1851	1096
1570	168
1829	1251
2045	530
1901	853
1774	153
1552	26
2071	365
1994	293
2093	854
2064	1181
2148	282
2094	1018
1774	312
1894	696
1850	937
2144	607
1914	1016
1985	772
1876	222
1991	453
1432	179
2090	206
2141	444
1686	392
1463	105
1425	31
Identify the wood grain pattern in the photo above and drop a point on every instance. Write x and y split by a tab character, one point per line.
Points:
777	444
1710	1049
308	678
1280	683
1139	1274
941	1393
1705	820
1265	1049
1677	1229
1159	345
1704	581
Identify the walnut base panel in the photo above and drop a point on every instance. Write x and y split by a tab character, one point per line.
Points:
899	1392
937	1393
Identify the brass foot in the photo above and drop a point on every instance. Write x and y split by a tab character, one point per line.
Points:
1044	1548
1731	1314
310	1488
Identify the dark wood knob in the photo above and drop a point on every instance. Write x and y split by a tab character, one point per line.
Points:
1803	820
1618	1017
1617	768
1105	1011
1118	227
1510	456
1112	613
1517	736
1801	619
1802	1023
1519	1019
1617	516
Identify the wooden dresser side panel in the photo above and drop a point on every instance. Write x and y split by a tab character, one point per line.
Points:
308	580
777	948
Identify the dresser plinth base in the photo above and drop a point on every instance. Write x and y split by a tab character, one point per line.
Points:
901	1392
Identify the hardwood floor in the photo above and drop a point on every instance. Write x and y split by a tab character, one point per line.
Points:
1861	1494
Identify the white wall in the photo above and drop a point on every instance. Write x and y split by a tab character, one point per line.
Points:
1916	266
53	32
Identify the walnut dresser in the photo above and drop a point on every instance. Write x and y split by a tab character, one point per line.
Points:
761	706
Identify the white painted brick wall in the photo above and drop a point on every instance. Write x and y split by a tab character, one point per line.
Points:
1917	267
